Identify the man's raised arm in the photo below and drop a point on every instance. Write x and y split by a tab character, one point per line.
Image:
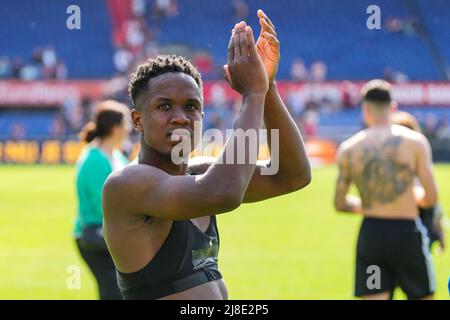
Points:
151	191
289	160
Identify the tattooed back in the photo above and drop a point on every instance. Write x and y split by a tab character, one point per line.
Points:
383	163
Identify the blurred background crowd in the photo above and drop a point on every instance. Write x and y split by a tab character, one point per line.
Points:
327	52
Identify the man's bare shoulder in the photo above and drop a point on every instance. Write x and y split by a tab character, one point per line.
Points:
130	178
352	142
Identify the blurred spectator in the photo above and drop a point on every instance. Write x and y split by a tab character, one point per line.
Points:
139	8
394	76
443	129
400	77
18	131
5	67
350	95
219	114
86	110
49	63
49	57
295	103
16	67
117	89
61	71
135	34
388	74
394	24
204	63
122	60
29	72
164	8
57	129
218	96
298	70
319	71
240	10
37	56
310	121
328	106
73	117
430	126
43	64
412	26
409	26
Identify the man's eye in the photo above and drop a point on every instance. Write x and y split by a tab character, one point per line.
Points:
191	107
164	106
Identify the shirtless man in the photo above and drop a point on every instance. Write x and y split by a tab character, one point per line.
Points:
159	217
382	161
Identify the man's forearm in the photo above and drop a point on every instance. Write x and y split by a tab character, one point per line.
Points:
293	160
249	118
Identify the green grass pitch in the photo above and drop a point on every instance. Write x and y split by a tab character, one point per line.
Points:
291	247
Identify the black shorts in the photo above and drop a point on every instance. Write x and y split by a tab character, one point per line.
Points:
393	253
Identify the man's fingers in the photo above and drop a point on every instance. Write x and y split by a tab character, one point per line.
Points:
230	50
236	50
266	27
243	40
263	15
238	39
271	38
251	42
245	44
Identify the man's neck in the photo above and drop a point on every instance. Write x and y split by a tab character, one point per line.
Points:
381	123
150	157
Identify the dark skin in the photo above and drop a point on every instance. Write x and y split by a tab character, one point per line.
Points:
294	168
141	201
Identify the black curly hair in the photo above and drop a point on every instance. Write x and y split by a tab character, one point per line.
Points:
157	66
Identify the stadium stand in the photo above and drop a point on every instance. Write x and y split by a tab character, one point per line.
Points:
87	52
351	51
411	47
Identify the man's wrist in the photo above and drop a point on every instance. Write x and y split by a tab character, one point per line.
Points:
254	95
273	88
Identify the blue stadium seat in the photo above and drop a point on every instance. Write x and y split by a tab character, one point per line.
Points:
37	124
332	31
38	23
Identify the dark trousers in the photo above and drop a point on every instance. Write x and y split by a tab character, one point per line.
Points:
102	266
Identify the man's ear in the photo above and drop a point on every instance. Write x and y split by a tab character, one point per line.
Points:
136	119
203	114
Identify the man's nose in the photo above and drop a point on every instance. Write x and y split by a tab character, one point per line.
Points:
179	117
